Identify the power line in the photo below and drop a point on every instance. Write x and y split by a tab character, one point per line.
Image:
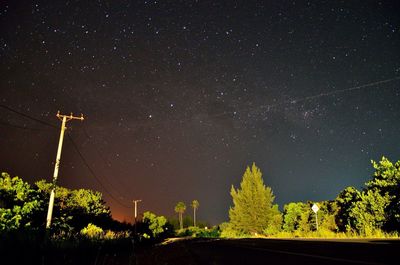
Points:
93	173
27	116
8	124
73	144
105	160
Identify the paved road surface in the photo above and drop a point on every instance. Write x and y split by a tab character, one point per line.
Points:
272	251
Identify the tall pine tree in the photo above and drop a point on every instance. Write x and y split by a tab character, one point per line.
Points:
253	210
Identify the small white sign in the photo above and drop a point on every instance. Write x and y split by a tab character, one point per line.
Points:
315	208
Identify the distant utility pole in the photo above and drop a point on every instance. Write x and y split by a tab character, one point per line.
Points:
136	202
64	119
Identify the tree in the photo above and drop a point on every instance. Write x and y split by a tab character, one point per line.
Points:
345	201
327	215
180	208
155	224
20	205
253	210
195	205
294	214
377	206
76	208
386	180
369	212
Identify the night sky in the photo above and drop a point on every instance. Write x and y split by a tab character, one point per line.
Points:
180	96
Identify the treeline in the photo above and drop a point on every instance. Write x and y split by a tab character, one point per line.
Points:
77	214
82	229
370	212
24	206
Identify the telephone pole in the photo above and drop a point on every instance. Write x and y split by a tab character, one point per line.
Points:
136	202
64	119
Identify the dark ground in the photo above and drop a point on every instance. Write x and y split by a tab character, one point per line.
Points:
272	251
206	251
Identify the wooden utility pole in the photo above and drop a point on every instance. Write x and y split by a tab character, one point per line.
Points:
135	203
64	119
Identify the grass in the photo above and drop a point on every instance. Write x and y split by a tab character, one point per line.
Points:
327	234
35	247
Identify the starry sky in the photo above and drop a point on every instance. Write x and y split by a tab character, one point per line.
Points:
180	96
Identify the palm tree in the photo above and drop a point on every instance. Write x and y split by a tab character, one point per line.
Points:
195	206
180	208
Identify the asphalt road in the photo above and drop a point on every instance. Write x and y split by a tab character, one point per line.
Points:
272	251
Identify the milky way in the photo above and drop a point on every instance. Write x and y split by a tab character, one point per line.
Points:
180	97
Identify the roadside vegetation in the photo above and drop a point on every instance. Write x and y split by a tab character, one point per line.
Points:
371	212
83	222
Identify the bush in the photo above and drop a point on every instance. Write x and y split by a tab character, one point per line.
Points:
92	231
193	231
227	231
214	232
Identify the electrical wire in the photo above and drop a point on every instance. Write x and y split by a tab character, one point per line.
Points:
93	173
8	124
27	116
105	161
73	144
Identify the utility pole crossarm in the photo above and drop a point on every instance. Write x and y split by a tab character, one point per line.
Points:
64	119
69	117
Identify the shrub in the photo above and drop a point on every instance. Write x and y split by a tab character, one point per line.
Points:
92	231
227	231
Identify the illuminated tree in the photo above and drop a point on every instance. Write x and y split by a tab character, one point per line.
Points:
253	210
377	206
369	212
180	208
299	216
327	213
155	224
76	208
386	181
195	205
19	204
294	215
345	201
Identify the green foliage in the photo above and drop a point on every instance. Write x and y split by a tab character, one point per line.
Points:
24	207
194	231
74	209
195	204
386	180
294	213
327	216
180	208
156	224
369	212
375	208
386	177
344	202
275	222
212	232
300	219
19	204
92	231
228	231
253	210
